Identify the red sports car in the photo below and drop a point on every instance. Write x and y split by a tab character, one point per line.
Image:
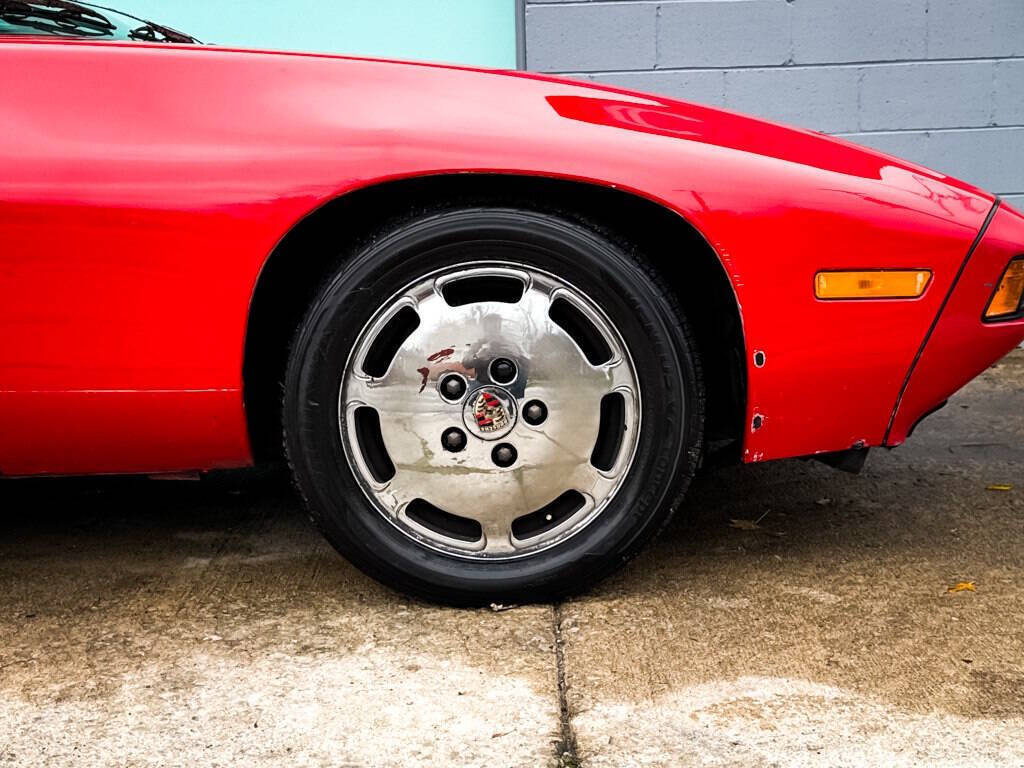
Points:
494	321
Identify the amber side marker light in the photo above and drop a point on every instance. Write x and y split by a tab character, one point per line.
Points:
872	284
1007	298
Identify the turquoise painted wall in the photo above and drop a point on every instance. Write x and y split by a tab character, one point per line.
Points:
478	32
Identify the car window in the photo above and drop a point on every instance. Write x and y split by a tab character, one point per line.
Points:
60	18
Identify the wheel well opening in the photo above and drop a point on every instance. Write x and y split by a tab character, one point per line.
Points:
316	246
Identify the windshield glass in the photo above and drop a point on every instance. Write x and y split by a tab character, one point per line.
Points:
60	18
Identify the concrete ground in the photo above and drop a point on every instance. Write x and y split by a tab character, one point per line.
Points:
175	623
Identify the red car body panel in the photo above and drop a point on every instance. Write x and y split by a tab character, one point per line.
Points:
144	187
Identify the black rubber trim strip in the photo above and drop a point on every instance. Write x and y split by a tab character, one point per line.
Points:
938	315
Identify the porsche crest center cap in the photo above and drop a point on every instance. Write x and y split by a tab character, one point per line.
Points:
490	413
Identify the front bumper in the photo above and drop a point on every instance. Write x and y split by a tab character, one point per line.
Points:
960	345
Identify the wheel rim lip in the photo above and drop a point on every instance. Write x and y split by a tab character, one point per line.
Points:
426	537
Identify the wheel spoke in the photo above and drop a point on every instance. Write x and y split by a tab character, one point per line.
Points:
592	482
498	537
536	303
617	377
363	390
399	490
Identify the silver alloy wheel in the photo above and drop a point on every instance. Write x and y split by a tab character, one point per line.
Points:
514	487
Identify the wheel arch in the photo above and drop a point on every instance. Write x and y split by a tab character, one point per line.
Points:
315	245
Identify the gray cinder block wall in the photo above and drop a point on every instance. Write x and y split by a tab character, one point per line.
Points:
940	82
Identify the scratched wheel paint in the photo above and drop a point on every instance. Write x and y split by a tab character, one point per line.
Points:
492	404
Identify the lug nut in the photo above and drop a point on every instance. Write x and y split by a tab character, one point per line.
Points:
504	455
503	371
534	412
453	439
453	387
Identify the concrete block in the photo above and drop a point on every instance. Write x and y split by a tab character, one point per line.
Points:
834	31
702	33
970	28
585	37
926	95
1008	96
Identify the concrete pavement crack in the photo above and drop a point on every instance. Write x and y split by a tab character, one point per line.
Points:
568	754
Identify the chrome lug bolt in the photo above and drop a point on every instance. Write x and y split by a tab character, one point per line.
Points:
504	455
453	387
453	439
503	371
535	412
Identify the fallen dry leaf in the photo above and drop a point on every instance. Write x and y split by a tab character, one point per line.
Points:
743	525
748	525
1000	487
962	586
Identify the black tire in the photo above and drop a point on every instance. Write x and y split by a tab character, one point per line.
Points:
668	446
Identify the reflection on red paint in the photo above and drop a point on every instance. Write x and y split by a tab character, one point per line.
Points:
424	372
724	129
441	355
